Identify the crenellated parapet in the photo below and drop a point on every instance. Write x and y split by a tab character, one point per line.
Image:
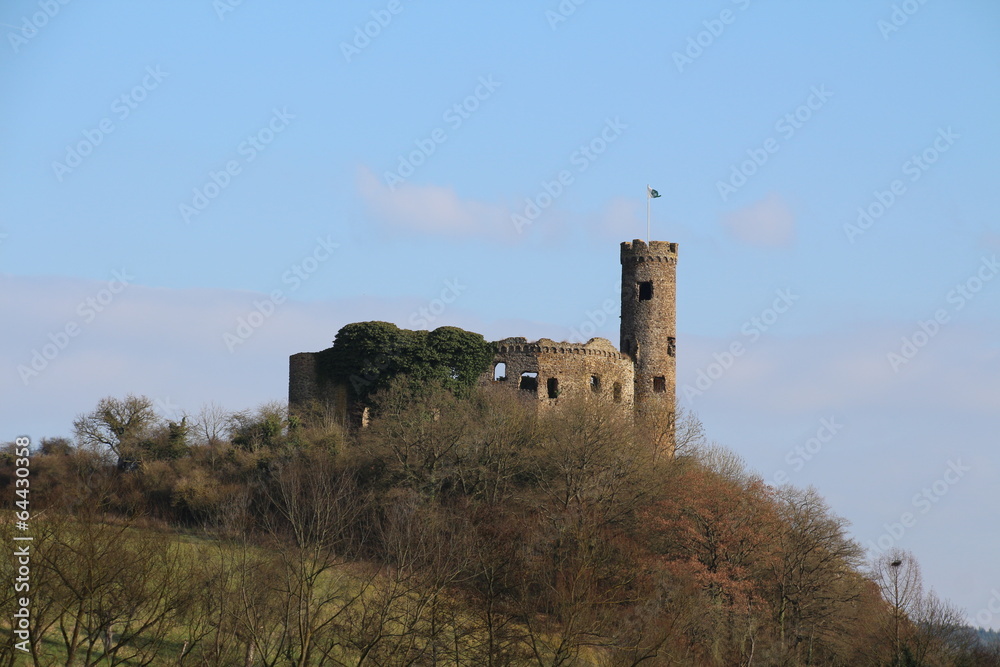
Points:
648	325
633	252
548	371
600	347
640	375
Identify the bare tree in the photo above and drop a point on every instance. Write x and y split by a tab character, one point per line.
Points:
119	425
422	439
813	575
317	512
211	424
687	431
118	588
262	428
897	575
940	634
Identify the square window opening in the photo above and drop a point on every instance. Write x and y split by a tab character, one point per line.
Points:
552	385
529	382
646	290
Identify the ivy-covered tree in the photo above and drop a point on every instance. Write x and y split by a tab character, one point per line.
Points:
367	356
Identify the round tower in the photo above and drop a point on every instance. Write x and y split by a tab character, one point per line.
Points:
648	333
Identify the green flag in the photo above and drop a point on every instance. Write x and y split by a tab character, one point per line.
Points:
653	194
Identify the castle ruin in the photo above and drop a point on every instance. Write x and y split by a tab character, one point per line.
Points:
640	376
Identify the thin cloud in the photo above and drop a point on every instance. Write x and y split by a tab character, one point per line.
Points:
432	209
956	372
768	223
990	241
621	218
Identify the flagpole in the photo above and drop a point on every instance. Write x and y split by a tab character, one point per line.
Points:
647	213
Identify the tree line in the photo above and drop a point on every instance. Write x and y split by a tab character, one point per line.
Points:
458	528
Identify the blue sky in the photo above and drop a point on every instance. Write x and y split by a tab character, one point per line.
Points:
170	170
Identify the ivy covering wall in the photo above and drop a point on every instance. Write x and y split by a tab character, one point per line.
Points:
367	356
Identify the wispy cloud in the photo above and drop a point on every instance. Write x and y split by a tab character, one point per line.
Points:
849	371
768	222
164	343
622	218
990	241
432	209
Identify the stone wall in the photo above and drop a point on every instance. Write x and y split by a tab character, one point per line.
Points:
594	369
648	326
310	391
641	378
303	382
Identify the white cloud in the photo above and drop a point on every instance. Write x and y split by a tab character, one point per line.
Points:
622	218
990	241
168	344
768	222
432	209
955	372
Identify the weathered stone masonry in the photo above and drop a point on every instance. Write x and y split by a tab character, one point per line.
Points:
550	370
641	377
648	328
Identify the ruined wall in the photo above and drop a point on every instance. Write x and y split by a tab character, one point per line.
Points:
641	378
303	380
594	369
648	326
308	390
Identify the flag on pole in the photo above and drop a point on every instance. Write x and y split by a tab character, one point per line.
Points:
650	194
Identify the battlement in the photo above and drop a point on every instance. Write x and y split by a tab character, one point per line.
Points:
639	378
654	251
600	347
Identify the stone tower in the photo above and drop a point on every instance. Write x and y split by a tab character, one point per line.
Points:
648	329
